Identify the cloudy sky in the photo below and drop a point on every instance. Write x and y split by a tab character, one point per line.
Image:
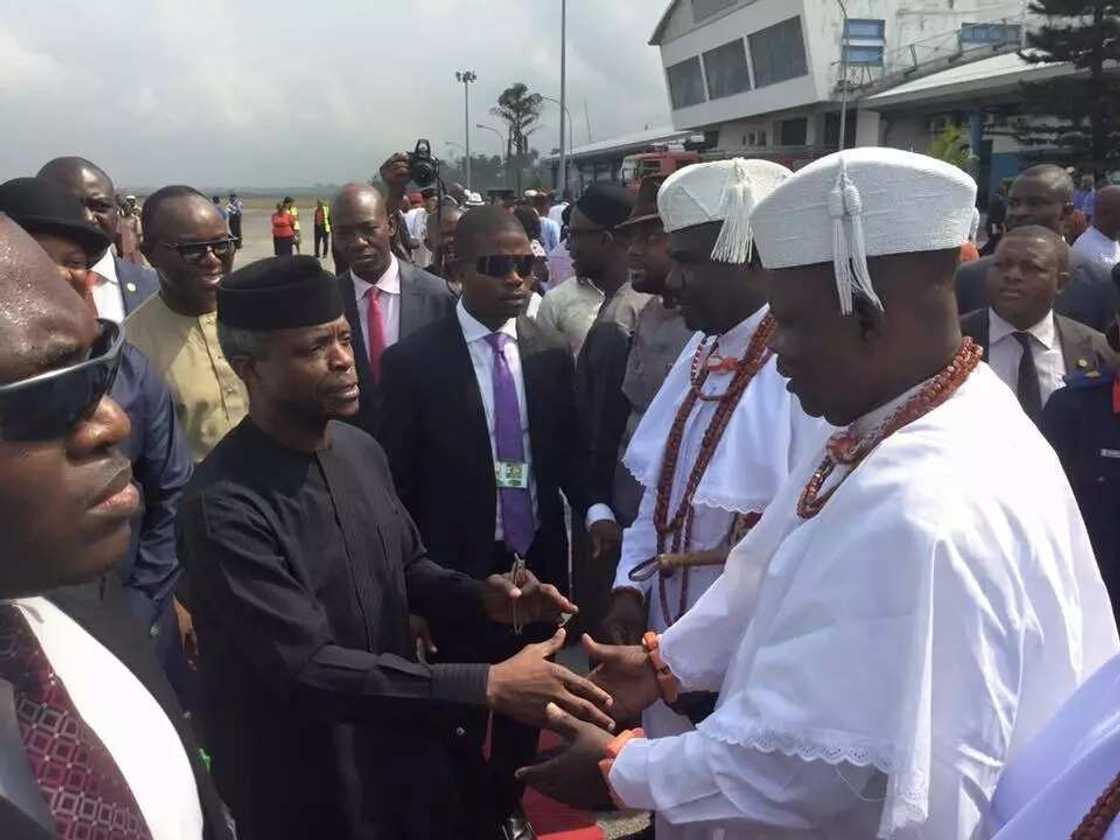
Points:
280	93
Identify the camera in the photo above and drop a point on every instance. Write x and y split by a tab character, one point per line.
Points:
423	169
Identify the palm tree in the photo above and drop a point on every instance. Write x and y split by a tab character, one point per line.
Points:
519	110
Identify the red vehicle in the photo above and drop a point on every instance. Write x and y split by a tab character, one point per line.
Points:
659	161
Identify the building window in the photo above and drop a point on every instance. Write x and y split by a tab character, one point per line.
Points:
778	53
704	9
862	29
726	69
686	84
762	138
864	55
995	34
794	132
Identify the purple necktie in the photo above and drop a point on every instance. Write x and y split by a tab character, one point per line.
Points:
517	508
85	790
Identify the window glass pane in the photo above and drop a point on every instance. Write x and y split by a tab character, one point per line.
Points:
686	85
868	29
991	33
794	132
703	9
864	55
778	53
726	69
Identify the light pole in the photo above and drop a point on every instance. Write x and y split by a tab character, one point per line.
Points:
466	77
843	75
567	115
563	173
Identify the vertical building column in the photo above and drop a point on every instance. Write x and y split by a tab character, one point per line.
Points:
975	142
867	127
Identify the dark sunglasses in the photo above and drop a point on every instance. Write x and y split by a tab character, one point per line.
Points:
48	406
502	265
196	251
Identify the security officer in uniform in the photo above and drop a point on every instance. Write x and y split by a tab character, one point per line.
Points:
1082	423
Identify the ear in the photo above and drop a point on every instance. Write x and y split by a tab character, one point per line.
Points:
871	319
392	217
245	367
1063	279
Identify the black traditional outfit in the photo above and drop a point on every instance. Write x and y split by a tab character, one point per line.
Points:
304	568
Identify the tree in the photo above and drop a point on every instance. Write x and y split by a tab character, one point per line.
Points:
519	110
951	146
1077	113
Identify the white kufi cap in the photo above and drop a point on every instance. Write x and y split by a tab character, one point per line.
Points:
721	191
861	203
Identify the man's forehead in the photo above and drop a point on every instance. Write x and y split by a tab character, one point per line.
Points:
188	216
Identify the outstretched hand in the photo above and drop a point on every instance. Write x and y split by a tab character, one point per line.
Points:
623	672
535	601
573	775
523	685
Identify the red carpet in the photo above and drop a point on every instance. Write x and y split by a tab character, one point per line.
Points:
554	820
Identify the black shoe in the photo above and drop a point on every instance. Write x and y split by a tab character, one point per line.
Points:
517	827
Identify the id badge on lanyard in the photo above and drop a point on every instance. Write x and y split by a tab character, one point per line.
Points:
511	475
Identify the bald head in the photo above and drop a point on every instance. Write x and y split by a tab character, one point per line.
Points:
361	230
481	226
1041	195
41	317
1106	212
90	184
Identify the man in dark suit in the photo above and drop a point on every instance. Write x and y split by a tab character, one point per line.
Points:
1043	195
386	299
91	738
1027	344
121	285
156	447
479	424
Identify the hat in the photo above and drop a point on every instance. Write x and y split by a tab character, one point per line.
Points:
279	293
720	191
41	206
861	203
531	193
645	205
474	199
130	197
607	205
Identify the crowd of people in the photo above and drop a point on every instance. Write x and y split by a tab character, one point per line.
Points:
291	553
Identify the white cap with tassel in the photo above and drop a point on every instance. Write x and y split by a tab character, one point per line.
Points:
861	203
720	191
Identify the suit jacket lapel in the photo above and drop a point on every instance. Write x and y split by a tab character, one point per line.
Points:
534	372
17	781
411	302
1077	351
357	341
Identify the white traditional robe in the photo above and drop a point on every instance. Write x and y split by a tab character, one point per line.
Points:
879	664
765	436
1052	786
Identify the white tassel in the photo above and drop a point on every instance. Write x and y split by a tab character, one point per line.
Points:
849	250
735	242
841	258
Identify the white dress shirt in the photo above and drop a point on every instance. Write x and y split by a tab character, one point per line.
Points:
389	285
107	290
1005	352
482	358
127	719
1094	247
416	220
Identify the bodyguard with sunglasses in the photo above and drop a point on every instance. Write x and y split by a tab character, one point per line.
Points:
92	738
479	424
155	447
187	240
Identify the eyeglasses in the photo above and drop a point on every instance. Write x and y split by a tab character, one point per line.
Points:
196	251
501	265
48	406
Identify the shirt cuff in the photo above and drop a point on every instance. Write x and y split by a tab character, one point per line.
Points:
599	511
629	780
459	683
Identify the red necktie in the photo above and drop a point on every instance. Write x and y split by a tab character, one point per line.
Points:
87	794
376	333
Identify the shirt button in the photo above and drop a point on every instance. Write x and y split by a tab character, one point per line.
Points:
460	731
